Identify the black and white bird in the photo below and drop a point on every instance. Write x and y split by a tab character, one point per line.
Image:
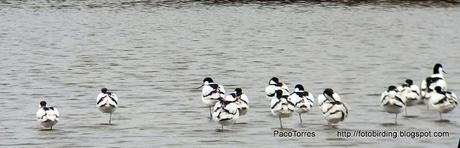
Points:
410	92
211	93
107	102
242	101
226	111
436	79
334	110
47	116
273	85
303	100
281	106
443	101
392	102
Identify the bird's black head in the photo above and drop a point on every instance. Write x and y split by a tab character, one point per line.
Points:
42	103
104	90
207	79
299	87
391	88
438	89
278	93
214	86
279	84
409	82
436	68
238	91
274	79
328	91
233	95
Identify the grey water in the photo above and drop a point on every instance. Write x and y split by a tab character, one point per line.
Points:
155	55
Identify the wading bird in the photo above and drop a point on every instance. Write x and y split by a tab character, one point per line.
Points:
107	102
392	102
303	100
436	79
226	111
281	106
241	101
211	93
443	101
334	110
47	116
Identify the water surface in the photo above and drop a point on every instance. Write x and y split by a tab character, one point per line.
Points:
155	55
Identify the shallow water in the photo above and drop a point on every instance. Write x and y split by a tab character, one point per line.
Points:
155	55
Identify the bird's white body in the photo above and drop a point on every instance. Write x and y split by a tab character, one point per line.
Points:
392	102
210	96
411	94
333	111
426	90
225	115
443	103
282	107
242	102
271	88
107	103
302	104
48	116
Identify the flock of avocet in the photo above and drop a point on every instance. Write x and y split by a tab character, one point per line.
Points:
432	92
226	109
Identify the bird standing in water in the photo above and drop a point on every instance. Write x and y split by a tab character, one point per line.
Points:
242	101
281	106
107	102
392	102
226	111
443	101
211	93
47	116
303	100
334	110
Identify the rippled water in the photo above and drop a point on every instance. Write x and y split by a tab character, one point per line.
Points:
156	54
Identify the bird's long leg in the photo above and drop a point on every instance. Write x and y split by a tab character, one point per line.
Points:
210	114
396	119
222	128
300	116
405	111
281	123
110	118
440	116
